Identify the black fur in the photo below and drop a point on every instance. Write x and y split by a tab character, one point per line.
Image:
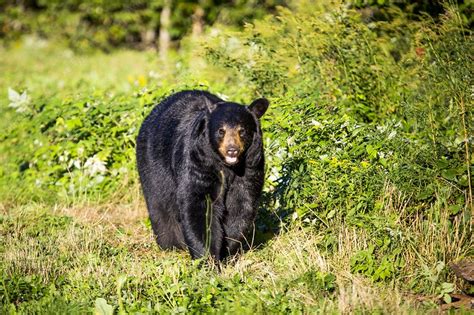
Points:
181	171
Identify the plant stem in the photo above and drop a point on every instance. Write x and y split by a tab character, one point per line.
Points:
466	146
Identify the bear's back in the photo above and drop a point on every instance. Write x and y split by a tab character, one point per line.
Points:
182	105
168	123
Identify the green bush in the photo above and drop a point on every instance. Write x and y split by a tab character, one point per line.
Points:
77	147
361	111
349	116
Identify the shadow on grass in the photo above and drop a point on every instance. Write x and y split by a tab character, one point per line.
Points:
269	221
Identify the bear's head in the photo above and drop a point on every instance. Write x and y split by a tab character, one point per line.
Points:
234	129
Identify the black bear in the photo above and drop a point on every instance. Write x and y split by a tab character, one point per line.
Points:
201	166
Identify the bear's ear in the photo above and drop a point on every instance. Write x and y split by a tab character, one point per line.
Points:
259	107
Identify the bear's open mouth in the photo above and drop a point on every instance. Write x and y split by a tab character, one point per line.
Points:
231	159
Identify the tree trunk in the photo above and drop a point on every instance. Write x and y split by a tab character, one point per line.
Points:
198	21
165	22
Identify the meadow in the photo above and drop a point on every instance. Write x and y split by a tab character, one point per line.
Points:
368	143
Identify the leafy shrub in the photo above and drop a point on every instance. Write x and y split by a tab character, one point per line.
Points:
359	107
345	105
78	147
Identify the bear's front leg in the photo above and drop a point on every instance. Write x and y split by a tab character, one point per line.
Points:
201	225
241	207
236	233
241	204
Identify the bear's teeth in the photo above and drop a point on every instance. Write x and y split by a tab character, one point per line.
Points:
230	159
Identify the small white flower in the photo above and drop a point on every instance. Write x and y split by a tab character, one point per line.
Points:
18	101
316	123
294	216
77	164
94	166
392	134
154	75
290	141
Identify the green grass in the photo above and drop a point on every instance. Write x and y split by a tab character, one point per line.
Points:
44	70
62	259
361	213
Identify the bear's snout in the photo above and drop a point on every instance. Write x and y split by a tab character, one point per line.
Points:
233	151
232	155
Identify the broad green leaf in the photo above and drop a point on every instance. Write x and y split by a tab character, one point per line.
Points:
102	308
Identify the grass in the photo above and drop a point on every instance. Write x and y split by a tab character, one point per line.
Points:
45	70
79	254
84	256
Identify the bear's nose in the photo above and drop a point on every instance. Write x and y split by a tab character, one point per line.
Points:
232	151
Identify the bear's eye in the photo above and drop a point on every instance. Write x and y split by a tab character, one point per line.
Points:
242	132
221	132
